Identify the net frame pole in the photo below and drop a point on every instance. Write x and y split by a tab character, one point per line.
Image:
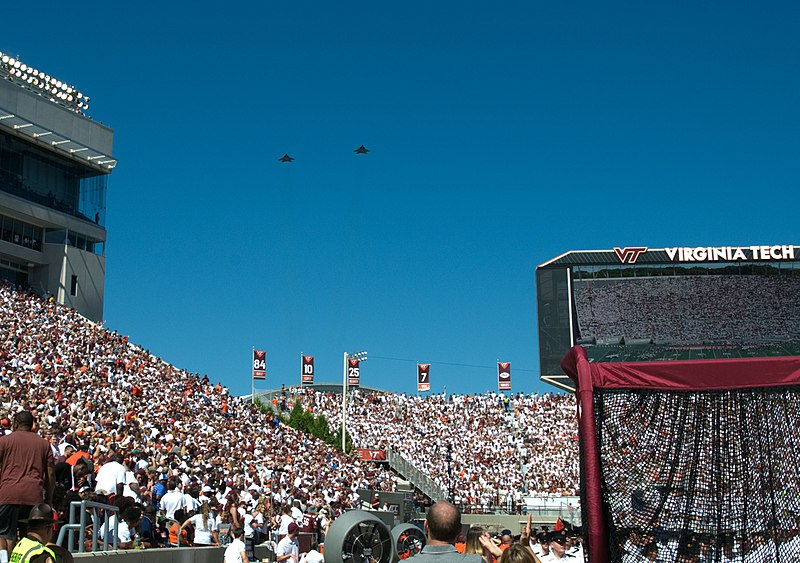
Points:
576	365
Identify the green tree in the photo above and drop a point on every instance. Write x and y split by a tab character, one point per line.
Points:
298	418
321	429
336	441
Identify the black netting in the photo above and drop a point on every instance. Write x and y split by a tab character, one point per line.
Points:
701	476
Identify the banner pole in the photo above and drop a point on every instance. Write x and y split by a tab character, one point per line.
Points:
344	402
301	370
252	378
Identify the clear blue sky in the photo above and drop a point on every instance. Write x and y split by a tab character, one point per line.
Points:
501	135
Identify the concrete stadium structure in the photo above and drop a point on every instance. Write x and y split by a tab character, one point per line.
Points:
54	165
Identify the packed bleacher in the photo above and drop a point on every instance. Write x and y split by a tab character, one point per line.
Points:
500	448
734	309
92	391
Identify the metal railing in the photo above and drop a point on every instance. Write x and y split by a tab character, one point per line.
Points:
418	478
80	519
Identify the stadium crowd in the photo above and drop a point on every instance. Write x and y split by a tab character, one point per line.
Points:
729	309
501	447
187	463
148	427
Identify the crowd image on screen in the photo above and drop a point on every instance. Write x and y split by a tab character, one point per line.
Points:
732	309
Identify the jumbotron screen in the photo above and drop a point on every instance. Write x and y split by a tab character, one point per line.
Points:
640	304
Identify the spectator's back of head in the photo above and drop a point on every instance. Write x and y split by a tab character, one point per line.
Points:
517	553
24	419
473	542
443	522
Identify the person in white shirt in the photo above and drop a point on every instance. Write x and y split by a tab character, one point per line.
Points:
297	514
313	556
173	500
131	487
192	503
289	548
110	475
126	531
235	552
558	551
284	521
205	527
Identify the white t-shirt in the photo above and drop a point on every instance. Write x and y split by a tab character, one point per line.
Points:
248	528
123	532
233	553
286	546
101	528
202	534
109	475
297	514
192	503
172	501
130	477
283	529
312	556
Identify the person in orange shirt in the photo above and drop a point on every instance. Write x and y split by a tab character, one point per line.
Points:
461	544
180	518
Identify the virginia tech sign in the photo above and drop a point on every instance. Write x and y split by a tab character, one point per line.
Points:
630	254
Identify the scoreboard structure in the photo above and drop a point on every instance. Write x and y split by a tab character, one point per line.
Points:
681	303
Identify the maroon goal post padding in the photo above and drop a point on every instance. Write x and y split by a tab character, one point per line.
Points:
689	460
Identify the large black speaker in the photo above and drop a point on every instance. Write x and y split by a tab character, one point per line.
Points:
408	541
359	537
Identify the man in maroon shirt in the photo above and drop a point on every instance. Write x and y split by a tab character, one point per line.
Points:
27	476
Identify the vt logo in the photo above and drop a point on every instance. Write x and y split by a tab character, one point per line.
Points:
629	255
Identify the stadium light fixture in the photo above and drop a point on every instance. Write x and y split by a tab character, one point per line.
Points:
35	80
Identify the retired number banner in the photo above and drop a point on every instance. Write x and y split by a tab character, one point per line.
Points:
307	377
259	364
353	372
423	377
504	376
372	455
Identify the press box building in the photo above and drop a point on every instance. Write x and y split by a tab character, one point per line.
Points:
54	167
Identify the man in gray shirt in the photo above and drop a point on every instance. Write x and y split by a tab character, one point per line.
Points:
443	525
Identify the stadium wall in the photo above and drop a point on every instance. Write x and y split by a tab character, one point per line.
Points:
167	555
89	270
38	109
514	522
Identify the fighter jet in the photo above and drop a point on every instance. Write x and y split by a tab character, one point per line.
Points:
361	150
286	158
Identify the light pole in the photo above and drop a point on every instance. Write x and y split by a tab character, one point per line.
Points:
361	357
450	471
